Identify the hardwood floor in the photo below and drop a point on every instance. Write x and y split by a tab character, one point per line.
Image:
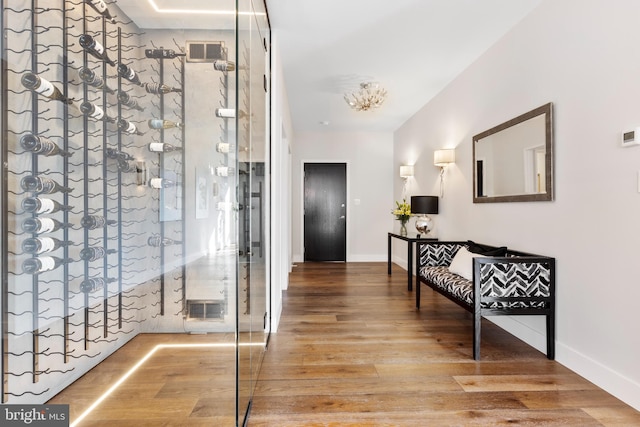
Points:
352	350
186	386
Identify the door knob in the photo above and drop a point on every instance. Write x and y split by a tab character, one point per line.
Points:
342	217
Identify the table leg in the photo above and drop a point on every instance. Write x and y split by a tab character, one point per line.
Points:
389	254
410	265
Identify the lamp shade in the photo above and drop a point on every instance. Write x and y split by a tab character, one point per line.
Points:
406	171
444	157
424	204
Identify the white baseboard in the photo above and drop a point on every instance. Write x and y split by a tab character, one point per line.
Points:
275	318
402	262
354	258
534	338
367	258
604	377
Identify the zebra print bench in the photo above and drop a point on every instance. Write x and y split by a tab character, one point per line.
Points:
517	283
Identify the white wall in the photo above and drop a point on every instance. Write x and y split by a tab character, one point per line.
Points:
369	179
281	137
582	56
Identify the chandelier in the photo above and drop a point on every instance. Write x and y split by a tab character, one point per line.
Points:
370	95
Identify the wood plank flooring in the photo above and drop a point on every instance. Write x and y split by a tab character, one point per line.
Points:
190	386
353	351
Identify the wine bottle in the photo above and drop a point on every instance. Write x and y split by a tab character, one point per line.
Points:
42	185
94	284
101	7
159	147
93	222
112	153
92	79
162	53
43	87
92	110
160	89
224	66
224	171
42	264
225	113
156	241
42	225
43	205
128	127
40	245
164	124
223	147
42	145
125	99
96	49
229	113
95	253
128	73
161	183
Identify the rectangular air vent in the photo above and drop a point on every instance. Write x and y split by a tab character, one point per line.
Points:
205	310
203	51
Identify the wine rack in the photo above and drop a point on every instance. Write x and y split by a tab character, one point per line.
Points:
106	279
169	166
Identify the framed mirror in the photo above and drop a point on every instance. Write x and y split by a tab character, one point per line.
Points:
513	162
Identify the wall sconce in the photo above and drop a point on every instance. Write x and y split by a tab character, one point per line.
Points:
442	158
406	171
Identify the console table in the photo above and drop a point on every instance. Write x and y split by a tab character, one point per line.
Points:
410	241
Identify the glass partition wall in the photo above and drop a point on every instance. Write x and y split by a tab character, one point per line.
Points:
135	206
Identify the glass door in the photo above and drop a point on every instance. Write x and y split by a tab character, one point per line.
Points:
134	211
254	190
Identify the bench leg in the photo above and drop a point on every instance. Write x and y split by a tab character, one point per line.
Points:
418	294
477	319
551	338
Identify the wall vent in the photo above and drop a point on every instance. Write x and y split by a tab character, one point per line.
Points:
204	51
205	310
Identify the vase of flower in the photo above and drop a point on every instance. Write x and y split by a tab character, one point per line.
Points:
402	213
403	228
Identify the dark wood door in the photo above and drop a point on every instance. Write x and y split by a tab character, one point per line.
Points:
325	212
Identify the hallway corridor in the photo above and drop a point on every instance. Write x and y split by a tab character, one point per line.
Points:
352	350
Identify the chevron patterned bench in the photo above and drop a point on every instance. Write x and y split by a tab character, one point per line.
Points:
517	283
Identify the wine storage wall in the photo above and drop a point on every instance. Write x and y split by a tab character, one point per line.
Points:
108	269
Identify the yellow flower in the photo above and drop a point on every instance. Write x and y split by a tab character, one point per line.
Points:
402	211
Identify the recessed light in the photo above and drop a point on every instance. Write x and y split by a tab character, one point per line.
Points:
324	123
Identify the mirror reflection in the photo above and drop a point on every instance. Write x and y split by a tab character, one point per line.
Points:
513	161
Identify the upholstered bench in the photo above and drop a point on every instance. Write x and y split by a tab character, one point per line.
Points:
489	281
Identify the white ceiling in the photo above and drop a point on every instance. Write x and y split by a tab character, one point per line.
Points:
413	48
180	14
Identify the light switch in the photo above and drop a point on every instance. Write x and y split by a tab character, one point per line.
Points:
356	202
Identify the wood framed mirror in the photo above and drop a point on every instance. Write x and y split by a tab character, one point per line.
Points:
513	162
